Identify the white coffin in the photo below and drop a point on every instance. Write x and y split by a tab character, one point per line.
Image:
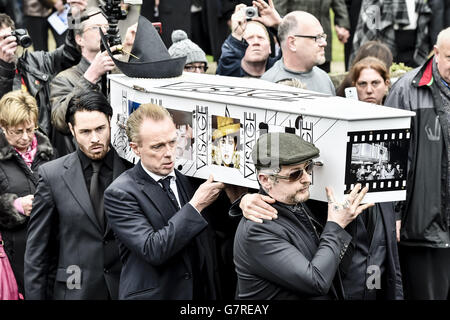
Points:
348	133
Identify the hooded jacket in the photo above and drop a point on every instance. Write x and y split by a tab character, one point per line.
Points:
425	221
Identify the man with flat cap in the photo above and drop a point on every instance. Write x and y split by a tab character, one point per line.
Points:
292	257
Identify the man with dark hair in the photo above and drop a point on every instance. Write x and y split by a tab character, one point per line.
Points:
68	214
34	71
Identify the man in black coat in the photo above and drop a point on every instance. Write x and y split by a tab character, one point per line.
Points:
69	238
164	239
286	258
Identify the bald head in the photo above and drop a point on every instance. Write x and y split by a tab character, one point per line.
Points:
302	41
442	54
443	37
296	21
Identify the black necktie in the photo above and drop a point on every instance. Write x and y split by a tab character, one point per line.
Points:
168	190
96	192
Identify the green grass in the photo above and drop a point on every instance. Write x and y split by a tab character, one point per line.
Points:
337	53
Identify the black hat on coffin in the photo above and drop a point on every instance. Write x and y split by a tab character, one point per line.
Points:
154	58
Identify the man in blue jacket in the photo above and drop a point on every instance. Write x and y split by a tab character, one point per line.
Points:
247	51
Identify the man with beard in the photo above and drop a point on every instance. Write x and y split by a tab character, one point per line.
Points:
69	237
286	258
303	43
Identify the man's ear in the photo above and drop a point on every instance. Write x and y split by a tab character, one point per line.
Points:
290	42
79	40
264	180
134	146
436	51
71	129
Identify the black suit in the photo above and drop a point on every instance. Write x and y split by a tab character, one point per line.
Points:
64	231
155	239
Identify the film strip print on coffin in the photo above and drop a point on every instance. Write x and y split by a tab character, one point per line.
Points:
377	159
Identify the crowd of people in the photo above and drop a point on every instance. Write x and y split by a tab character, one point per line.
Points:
77	221
377	172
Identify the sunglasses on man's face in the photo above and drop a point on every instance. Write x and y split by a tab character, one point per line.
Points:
297	174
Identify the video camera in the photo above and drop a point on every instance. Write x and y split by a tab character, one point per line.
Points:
113	12
22	37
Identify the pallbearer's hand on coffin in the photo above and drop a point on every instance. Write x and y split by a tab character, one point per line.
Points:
206	194
344	213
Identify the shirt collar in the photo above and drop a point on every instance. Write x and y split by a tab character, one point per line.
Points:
157	177
86	161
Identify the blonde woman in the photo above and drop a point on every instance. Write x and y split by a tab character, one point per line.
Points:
22	150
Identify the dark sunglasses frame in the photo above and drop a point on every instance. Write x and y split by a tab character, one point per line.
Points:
193	68
297	174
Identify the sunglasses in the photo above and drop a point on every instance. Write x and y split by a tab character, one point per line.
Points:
297	174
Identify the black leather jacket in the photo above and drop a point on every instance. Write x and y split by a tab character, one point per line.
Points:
37	70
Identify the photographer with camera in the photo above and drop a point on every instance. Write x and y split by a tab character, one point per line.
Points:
33	71
249	51
84	76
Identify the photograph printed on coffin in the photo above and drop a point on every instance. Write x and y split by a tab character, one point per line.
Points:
225	141
185	134
377	159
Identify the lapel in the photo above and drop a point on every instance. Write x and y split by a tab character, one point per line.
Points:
185	191
158	197
74	179
155	194
118	168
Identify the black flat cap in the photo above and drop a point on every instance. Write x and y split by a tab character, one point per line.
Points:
277	149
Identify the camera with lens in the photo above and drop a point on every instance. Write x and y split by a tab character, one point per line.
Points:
113	12
251	12
22	37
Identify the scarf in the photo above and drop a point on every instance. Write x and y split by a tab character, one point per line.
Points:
28	156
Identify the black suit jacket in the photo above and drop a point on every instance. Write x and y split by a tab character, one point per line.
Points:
153	238
285	259
63	232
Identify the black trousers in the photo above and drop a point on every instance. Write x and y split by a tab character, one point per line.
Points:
425	272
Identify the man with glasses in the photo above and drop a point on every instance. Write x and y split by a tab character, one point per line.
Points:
85	76
303	43
292	257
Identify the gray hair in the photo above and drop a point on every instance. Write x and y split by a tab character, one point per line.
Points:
286	26
443	36
79	29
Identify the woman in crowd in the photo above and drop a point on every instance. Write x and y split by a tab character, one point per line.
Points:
369	49
371	79
22	151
